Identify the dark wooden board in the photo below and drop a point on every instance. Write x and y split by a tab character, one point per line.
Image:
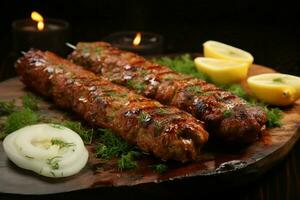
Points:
218	167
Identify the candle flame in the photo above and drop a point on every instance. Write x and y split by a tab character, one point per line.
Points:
35	16
137	39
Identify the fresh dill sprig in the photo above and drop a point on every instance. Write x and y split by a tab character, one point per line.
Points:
61	143
53	162
144	117
127	161
86	134
137	85
227	113
19	119
7	108
274	116
160	111
236	89
160	168
193	89
30	101
183	64
111	145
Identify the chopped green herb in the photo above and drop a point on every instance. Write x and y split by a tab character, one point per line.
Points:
30	101
86	134
115	94
7	108
159	125
160	168
236	89
19	119
274	116
61	143
53	162
136	85
98	49
193	89
111	145
183	64
227	113
161	111
278	80
127	161
144	117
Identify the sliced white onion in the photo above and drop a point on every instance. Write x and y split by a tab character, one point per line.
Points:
31	148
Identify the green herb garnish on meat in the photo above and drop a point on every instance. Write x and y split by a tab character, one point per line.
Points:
227	113
194	89
137	85
161	111
144	117
160	168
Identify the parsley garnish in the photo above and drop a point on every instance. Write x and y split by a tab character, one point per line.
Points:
61	143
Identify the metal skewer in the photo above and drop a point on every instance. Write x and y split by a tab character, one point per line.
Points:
71	45
23	52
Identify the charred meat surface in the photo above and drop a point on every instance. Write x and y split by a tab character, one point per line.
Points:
228	118
167	132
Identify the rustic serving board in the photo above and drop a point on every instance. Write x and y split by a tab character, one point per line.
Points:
218	166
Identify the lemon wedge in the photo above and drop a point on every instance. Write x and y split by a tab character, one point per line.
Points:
275	88
222	71
214	49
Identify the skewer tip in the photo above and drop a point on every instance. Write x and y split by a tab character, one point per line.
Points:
23	52
71	45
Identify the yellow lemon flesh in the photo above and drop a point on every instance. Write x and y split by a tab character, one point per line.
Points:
275	88
214	49
222	71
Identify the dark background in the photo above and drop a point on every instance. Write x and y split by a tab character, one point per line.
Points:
269	30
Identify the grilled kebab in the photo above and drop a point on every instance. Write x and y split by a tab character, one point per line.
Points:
228	118
167	132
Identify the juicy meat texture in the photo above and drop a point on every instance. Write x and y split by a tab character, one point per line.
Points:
228	118
167	132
